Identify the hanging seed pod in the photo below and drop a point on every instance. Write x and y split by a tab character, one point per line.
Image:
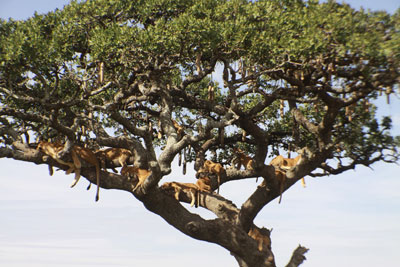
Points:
242	69
198	62
388	92
331	67
180	159
244	136
211	93
184	168
100	77
366	105
188	152
150	129
289	148
221	133
255	82
349	112
160	131
316	108
184	162
281	107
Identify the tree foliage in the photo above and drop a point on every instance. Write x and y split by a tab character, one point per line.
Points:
285	75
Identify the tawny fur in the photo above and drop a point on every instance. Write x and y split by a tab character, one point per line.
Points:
243	160
262	236
53	150
140	174
282	165
202	185
286	164
115	155
185	187
178	128
211	167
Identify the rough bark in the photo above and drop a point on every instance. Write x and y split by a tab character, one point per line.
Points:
297	257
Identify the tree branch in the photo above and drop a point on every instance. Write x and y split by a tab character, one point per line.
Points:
297	257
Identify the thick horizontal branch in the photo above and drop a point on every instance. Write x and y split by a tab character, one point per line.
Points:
211	201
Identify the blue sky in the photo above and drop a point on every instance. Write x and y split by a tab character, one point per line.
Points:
346	220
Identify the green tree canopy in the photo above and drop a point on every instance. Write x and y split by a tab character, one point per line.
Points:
265	77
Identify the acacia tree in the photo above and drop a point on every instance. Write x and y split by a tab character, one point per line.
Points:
266	77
